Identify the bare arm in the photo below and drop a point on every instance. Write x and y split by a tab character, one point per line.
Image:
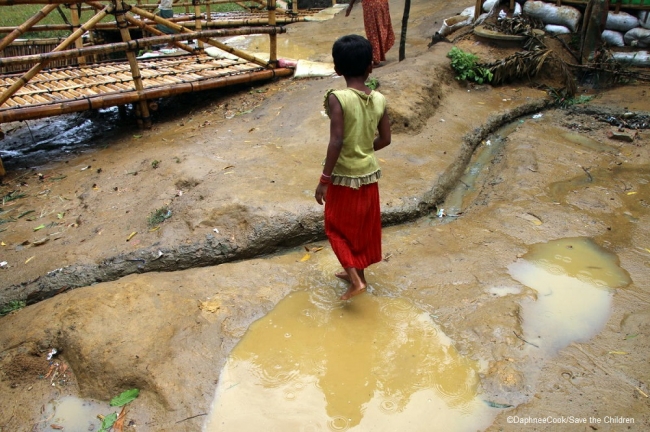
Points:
335	144
383	139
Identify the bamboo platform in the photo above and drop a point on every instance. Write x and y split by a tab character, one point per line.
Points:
66	90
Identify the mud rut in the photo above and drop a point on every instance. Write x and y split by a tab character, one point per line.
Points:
269	236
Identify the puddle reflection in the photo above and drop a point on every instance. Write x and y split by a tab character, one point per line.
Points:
71	413
574	279
375	363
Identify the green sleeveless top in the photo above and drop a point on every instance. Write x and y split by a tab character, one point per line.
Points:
357	165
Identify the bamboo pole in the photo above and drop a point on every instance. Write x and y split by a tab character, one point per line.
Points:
104	101
74	17
197	14
134	44
26	26
63	45
91	36
477	9
157	32
143	120
154	6
273	39
178	20
209	41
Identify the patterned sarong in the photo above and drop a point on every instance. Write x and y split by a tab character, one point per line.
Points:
379	30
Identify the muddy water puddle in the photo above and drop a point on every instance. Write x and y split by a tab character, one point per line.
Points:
286	48
574	280
37	142
318	364
73	414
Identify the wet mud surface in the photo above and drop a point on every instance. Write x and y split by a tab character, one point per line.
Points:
238	175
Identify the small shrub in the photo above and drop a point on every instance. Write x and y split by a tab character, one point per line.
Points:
13	305
466	67
159	216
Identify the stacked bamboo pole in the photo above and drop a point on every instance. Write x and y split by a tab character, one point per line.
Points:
130	97
63	45
209	41
119	92
179	20
136	44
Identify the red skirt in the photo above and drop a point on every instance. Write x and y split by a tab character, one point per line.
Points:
353	224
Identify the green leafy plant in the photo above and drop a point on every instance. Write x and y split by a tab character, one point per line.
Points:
125	397
108	422
155	164
13	305
372	83
159	216
467	68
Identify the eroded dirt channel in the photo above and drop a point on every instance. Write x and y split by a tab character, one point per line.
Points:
528	300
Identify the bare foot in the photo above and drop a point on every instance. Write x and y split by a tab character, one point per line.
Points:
353	291
343	275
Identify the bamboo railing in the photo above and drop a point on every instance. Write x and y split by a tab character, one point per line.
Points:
20	100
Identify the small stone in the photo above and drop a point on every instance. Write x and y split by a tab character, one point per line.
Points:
619	136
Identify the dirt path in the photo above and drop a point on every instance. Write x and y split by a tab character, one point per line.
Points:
237	174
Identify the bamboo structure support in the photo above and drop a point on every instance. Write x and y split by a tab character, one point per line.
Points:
197	14
178	20
477	9
122	24
155	31
18	31
209	41
63	45
134	44
118	99
74	17
273	42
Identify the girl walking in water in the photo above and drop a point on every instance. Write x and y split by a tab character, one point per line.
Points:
359	126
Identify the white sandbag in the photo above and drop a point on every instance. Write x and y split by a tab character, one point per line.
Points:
556	29
644	19
613	38
638	37
517	11
309	69
548	13
468	12
621	21
219	53
639	58
452	24
489	4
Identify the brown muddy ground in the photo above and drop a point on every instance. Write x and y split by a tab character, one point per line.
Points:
238	173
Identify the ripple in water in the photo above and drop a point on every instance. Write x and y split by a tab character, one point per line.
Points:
375	363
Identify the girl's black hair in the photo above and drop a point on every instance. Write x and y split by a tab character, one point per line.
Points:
352	55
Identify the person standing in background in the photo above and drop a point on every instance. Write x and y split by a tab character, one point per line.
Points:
379	30
165	10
